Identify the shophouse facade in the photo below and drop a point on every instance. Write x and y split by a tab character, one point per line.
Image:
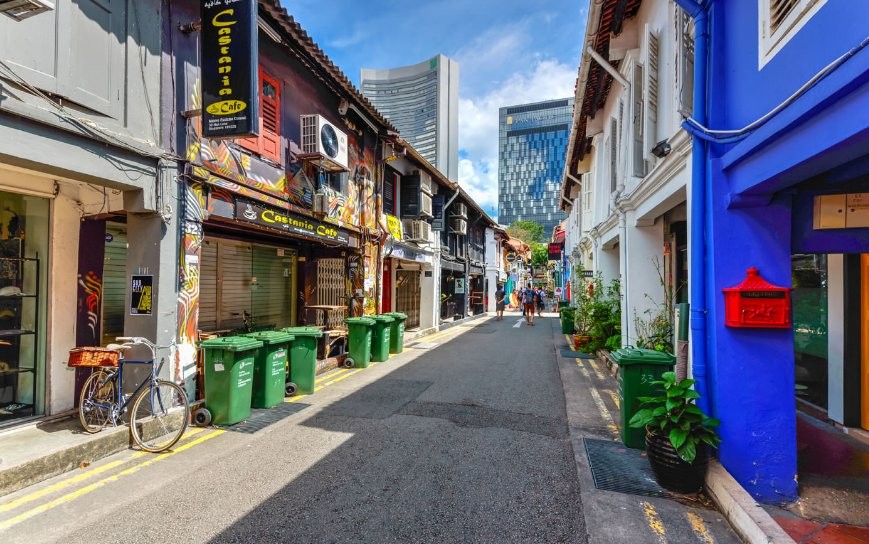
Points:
88	195
781	134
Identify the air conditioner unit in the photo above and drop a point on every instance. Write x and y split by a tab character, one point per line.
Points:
425	183
459	209
321	205
320	137
22	9
420	231
425	205
458	225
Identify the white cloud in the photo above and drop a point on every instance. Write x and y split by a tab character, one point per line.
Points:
544	79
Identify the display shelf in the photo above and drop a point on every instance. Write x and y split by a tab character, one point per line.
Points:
19	329
15	332
22	295
16	371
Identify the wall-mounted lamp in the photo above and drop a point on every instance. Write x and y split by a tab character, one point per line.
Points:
661	149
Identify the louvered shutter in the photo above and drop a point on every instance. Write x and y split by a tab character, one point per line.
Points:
639	119
686	62
652	105
779	11
270	117
614	132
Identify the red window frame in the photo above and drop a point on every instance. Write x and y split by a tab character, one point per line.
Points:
268	143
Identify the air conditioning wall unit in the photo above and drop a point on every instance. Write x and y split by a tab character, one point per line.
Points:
320	137
425	184
458	225
459	209
417	230
425	205
321	205
22	9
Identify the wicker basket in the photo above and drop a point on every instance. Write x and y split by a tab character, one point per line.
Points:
93	357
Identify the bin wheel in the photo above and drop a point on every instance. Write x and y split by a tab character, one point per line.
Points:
202	417
290	389
349	363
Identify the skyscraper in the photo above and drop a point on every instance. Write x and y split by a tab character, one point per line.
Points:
422	101
532	142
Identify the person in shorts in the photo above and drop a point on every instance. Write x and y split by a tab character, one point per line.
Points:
529	298
500	295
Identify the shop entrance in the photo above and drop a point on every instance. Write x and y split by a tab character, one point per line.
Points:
407	295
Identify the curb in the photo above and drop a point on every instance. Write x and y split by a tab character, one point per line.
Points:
53	463
746	516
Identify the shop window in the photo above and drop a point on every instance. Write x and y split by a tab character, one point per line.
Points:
809	275
268	143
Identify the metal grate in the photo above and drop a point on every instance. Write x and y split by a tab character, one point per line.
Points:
615	467
261	418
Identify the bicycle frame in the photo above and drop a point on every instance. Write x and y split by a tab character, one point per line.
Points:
120	403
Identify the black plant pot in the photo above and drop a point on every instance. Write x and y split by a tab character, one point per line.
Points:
671	471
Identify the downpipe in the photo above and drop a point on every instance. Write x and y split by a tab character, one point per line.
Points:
699	194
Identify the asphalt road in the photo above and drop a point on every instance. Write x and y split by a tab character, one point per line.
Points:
463	442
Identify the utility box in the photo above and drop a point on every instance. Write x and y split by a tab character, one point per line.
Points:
756	303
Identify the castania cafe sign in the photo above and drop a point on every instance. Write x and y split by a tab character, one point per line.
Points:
289	222
228	49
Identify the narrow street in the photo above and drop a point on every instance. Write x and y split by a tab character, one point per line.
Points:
464	437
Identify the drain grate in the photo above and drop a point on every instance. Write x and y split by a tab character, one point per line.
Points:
615	467
570	354
261	418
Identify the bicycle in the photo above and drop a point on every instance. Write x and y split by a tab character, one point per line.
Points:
159	412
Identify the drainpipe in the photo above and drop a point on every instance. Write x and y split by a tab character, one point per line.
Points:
698	10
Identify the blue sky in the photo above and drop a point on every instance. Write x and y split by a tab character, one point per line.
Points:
509	53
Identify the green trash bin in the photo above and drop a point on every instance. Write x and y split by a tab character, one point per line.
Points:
303	357
380	338
568	314
270	368
638	368
359	340
396	332
229	363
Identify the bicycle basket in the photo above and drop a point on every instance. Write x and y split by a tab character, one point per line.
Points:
93	357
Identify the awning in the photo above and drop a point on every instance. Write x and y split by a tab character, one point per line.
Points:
454	266
407	252
476	270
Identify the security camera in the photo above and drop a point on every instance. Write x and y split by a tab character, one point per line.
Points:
661	149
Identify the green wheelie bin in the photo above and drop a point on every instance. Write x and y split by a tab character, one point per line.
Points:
270	368
359	340
303	357
638	368
568	314
380	338
229	368
396	332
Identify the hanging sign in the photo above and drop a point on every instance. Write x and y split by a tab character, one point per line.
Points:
511	257
230	62
394	225
141	295
554	252
289	222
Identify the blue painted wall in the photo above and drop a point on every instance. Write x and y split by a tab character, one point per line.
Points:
759	213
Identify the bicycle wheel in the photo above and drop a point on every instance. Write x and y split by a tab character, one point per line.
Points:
96	401
159	416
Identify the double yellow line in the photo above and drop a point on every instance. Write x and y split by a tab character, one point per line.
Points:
78	478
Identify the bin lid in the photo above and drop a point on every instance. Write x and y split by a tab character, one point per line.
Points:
359	321
398	316
636	356
232	343
271	337
383	318
304	331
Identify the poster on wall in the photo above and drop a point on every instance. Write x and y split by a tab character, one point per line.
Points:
460	286
229	61
141	295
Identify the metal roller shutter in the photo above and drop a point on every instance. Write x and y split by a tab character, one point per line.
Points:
114	282
233	280
208	286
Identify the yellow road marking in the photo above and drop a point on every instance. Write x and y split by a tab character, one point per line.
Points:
80	477
601	407
654	521
96	485
615	396
699	528
569	340
600	375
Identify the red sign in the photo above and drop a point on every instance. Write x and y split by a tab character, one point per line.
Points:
554	252
756	303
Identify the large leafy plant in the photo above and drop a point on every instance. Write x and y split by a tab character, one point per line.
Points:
675	416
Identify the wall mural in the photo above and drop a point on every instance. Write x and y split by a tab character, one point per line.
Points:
188	293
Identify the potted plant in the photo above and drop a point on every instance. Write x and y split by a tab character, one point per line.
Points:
678	434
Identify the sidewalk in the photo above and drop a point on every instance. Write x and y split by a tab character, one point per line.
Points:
830	464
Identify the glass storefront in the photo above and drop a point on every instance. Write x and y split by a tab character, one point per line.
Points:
809	275
24	225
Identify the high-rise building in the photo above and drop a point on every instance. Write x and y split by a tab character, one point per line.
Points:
422	101
532	142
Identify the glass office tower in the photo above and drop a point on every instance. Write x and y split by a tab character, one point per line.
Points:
532	142
422	101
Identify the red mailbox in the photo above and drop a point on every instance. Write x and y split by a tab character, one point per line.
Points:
756	303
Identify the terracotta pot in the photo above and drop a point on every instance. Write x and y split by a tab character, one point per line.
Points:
671	471
580	341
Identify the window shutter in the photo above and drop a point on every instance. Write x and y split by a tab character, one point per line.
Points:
639	120
778	12
686	51
614	142
652	107
270	117
389	193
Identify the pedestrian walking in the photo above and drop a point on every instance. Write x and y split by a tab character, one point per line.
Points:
540	302
528	300
500	295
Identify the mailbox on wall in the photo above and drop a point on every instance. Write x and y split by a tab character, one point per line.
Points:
756	303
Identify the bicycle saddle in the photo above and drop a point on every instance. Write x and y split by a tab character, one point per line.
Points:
119	347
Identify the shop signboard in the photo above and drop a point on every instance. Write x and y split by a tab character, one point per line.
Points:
229	60
554	252
394	225
141	295
290	222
